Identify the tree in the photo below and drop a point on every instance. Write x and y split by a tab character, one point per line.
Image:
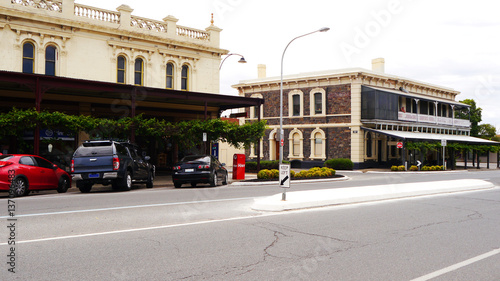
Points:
475	116
487	131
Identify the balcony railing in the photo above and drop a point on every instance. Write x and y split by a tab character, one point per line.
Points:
97	14
41	4
164	28
413	117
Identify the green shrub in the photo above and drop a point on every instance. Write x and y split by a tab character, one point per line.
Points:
339	164
425	168
401	168
413	168
275	173
394	168
264	174
292	173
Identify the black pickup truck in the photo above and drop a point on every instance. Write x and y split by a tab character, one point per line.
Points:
110	162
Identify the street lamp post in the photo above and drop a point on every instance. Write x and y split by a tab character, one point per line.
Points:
242	59
282	143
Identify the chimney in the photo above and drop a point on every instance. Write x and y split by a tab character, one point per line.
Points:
261	71
378	65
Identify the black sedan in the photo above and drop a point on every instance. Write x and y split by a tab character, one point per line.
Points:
196	169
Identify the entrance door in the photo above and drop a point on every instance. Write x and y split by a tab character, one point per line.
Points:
379	151
277	149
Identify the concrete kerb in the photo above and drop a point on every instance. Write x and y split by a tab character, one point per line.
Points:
245	183
341	196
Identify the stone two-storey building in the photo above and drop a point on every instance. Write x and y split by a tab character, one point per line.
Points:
360	114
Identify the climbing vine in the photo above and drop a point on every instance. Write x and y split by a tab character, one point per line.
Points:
186	133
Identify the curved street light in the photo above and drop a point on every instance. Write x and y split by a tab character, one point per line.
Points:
242	59
324	29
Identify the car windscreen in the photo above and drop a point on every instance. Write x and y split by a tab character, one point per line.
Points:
5	157
196	158
84	151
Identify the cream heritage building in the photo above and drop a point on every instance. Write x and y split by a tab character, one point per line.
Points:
68	57
360	114
73	40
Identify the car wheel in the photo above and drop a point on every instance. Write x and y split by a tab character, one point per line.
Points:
126	182
149	182
177	184
213	182
63	185
19	187
224	182
193	184
84	186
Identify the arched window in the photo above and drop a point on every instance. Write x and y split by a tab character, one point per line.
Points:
170	75
28	58
121	69
318	103
296	145
185	78
296	105
139	72
50	60
318	144
368	145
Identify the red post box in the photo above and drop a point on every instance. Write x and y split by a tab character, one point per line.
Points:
239	167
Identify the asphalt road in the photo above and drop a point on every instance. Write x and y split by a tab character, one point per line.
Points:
212	234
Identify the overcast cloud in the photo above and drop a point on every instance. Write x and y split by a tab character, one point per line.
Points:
454	44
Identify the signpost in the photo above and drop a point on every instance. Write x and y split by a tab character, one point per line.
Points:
443	144
400	145
284	179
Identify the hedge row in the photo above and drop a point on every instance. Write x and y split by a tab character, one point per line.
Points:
336	164
415	168
311	173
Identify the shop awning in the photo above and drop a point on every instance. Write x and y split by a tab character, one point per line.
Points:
432	137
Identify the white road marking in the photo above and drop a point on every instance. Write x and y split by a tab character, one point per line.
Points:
142	229
457	266
128	207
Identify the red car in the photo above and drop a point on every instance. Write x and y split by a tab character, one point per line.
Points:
21	173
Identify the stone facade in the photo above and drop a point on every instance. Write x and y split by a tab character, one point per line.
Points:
337	130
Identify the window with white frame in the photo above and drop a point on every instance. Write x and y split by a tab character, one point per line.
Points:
254	110
295	103
296	142
318	101
318	144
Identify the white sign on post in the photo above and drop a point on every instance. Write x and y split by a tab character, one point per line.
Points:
285	175
443	143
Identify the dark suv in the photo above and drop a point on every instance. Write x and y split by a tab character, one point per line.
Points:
110	162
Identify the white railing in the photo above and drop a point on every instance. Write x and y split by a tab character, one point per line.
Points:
97	14
412	117
55	6
148	24
192	33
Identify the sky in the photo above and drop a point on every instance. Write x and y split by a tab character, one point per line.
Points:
454	44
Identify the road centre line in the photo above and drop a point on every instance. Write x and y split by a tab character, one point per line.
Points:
143	229
457	266
130	207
